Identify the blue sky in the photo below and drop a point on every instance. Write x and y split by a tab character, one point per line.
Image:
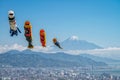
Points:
97	21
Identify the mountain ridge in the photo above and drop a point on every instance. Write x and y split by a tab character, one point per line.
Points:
101	59
29	58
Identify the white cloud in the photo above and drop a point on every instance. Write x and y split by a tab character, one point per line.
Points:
6	48
95	51
42	49
112	52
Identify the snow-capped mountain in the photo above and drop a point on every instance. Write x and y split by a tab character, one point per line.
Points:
73	43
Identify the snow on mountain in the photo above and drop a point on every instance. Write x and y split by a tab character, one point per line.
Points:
74	38
73	43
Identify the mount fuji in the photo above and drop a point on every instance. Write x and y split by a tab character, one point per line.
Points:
73	43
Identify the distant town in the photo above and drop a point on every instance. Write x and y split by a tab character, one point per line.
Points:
55	74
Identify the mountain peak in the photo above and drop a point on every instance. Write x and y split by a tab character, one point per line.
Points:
74	38
74	43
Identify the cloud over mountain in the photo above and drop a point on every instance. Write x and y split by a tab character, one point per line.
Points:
72	46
